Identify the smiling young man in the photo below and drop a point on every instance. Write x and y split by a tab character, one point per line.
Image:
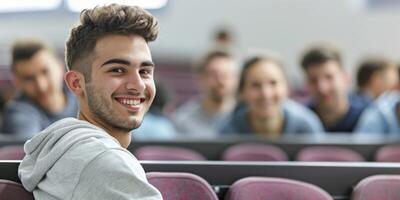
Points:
328	84
111	73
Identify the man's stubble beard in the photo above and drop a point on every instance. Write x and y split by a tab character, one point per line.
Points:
101	109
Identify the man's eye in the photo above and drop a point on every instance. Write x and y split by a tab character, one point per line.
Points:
273	82
117	70
145	71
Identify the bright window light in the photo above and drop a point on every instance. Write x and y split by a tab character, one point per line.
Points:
28	5
79	5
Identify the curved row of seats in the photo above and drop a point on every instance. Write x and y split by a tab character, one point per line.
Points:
243	152
213	148
266	152
336	178
186	186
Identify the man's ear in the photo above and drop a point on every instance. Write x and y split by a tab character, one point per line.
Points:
75	82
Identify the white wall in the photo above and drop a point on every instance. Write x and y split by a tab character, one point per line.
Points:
285	26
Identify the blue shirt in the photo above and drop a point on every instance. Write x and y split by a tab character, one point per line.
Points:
347	123
24	117
297	119
380	117
155	126
361	98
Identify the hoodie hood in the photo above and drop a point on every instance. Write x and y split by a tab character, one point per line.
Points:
44	149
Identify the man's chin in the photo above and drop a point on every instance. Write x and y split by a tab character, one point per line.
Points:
217	98
328	105
135	122
126	127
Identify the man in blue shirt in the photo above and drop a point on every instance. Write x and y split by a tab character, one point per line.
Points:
42	99
328	83
382	116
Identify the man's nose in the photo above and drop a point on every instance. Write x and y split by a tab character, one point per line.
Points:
323	87
267	91
135	83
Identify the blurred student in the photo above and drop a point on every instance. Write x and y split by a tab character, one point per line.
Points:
382	117
266	109
156	125
375	76
110	70
42	98
328	84
217	79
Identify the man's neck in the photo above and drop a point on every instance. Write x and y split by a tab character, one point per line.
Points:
212	106
331	114
123	138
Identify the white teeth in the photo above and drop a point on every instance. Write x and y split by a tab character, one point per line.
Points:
135	102
132	102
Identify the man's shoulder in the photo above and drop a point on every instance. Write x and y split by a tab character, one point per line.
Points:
22	117
96	142
298	116
20	104
73	138
188	109
91	151
382	110
355	111
296	110
237	123
95	150
114	174
111	156
107	159
387	101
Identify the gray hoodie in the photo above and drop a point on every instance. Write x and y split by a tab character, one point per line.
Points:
73	159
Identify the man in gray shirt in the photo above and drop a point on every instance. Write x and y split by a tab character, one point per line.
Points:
217	77
42	99
110	70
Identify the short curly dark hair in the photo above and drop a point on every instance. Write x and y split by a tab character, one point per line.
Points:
101	21
201	66
320	54
370	66
25	49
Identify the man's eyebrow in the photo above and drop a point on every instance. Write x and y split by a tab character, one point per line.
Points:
116	61
147	63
